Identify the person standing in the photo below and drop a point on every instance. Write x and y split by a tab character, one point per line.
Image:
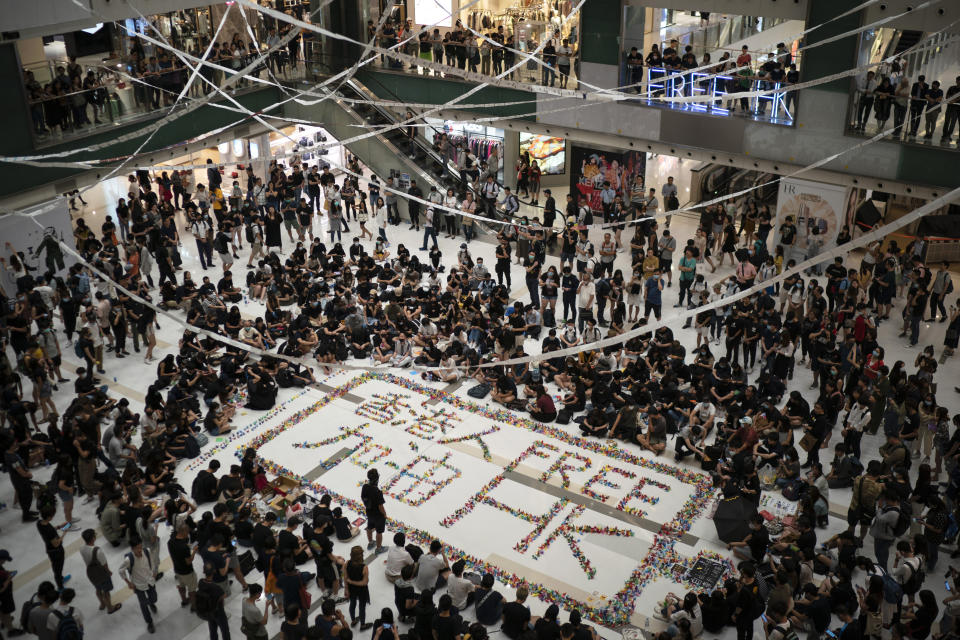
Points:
21	478
137	571
53	542
586	294
666	247
866	85
654	295
356	587
182	554
942	285
373	503
670	200
918	101
98	571
933	97
882	526
210	599
413	205
953	112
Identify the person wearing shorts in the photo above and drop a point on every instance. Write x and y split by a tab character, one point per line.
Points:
373	502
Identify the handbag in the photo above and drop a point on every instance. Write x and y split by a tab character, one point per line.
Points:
247	562
201	438
305	597
808	442
96	572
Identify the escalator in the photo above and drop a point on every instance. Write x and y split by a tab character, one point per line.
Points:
424	155
711	181
907	39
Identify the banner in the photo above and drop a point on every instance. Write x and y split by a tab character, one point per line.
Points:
547	151
590	168
818	210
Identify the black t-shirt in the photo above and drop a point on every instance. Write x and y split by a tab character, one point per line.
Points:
446	628
516	616
180	555
293	631
372	498
759	541
547	629
287	542
49	534
218	560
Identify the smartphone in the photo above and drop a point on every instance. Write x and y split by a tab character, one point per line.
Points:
946	583
388	626
763	617
831	633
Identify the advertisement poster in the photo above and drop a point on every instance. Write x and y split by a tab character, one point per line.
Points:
549	153
818	211
590	168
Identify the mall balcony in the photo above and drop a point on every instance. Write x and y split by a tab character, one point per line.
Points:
778	132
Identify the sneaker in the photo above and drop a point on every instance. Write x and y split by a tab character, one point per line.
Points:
380	550
371	544
151	628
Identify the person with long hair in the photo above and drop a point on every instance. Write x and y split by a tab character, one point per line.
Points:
356	587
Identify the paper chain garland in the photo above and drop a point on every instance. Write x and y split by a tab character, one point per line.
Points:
619	608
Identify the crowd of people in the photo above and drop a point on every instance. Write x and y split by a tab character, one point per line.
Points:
381	303
891	90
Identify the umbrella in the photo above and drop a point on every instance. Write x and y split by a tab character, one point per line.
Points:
732	519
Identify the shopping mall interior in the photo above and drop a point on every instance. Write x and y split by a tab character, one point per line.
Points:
383	265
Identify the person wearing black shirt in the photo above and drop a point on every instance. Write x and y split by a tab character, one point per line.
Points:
181	554
204	487
918	102
548	72
446	623
413	207
53	542
373	503
516	615
293	628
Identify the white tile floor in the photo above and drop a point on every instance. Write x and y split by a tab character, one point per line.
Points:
128	378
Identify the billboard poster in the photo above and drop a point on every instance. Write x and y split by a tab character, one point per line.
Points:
818	210
550	153
591	167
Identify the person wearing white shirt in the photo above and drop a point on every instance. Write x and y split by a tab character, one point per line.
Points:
137	571
63	608
586	294
865	88
397	558
380	215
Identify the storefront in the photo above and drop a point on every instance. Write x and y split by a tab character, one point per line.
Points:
480	139
528	22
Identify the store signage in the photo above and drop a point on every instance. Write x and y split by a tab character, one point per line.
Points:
662	82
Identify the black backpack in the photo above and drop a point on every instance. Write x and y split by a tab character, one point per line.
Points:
67	628
220	243
902	524
915	581
249	233
205	604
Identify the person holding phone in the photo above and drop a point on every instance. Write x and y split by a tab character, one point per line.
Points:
384	627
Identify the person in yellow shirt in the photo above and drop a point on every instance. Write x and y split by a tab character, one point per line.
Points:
650	263
216	197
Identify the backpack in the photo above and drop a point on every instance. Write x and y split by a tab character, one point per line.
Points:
204	603
248	233
915	581
220	243
67	628
195	490
892	591
78	351
28	606
903	519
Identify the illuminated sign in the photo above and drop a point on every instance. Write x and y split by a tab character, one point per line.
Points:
661	81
